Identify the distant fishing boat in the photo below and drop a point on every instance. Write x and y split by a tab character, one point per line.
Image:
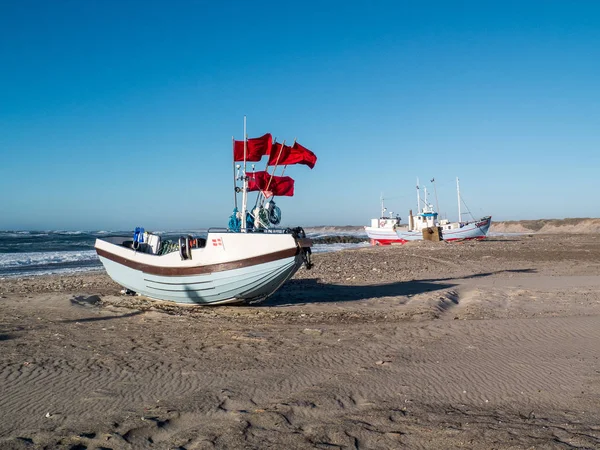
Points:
386	230
245	262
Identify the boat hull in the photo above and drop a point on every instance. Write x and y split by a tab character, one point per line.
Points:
454	232
237	269
471	230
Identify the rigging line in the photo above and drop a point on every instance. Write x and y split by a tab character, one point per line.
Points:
468	209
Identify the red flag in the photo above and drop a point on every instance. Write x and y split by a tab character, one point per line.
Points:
259	181
278	154
296	154
256	149
284	186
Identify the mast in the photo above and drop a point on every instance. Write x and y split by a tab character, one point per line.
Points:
382	208
437	205
245	180
418	197
458	195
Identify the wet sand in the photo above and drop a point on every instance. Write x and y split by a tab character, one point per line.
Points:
480	345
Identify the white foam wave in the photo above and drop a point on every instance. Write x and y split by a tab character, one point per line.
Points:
343	233
322	248
14	260
22	234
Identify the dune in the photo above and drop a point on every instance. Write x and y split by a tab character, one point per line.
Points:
549	226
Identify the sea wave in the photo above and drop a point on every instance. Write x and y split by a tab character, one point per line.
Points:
37	263
23	234
36	258
324	248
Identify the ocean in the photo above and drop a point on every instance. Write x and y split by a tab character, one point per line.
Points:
34	253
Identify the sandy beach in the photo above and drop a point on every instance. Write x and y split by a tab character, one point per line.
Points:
479	345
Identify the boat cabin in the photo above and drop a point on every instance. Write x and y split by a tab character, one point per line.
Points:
386	222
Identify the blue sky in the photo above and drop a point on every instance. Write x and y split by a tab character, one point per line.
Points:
120	114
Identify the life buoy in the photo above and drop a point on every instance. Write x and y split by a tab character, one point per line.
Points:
382	223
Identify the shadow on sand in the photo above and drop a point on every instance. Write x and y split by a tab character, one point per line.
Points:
99	319
312	291
94	300
481	275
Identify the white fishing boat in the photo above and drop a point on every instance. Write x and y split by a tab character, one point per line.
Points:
387	230
246	262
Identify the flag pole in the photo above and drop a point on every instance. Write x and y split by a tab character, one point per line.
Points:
245	180
234	182
259	193
285	167
277	162
271	176
267	165
266	170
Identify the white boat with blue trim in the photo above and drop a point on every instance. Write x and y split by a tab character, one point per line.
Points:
386	230
224	267
246	262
